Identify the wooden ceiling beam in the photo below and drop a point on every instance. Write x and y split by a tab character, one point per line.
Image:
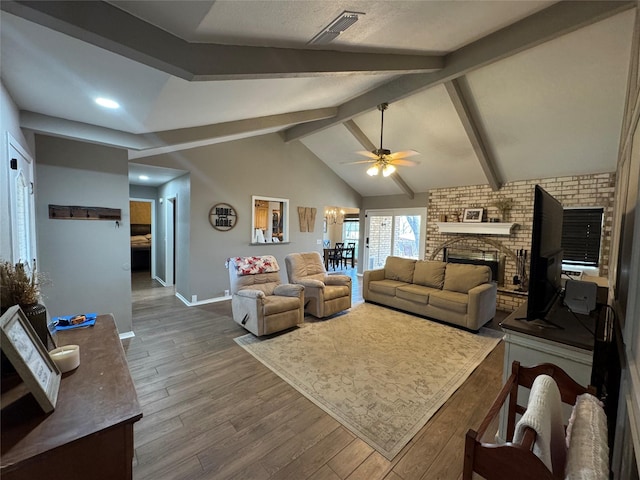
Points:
557	20
110	28
171	139
460	97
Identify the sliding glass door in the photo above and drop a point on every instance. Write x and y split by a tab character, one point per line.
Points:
398	232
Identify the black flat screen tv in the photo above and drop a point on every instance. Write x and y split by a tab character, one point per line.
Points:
546	255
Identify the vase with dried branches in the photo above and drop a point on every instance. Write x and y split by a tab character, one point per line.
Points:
20	285
504	206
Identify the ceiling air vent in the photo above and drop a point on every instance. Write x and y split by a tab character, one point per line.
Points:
335	28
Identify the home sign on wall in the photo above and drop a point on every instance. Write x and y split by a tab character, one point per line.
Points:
222	216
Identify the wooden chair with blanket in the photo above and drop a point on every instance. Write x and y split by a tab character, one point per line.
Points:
579	450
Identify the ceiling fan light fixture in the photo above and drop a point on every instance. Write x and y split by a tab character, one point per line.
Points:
373	170
388	169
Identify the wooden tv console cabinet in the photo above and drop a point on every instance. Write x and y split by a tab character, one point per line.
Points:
570	348
90	432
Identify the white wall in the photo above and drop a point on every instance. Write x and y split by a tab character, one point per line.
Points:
180	190
231	173
87	261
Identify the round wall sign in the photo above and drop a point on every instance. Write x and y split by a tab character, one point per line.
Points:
222	216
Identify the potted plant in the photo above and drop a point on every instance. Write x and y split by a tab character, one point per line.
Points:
20	285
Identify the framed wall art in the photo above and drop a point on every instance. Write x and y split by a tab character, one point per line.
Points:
472	215
29	357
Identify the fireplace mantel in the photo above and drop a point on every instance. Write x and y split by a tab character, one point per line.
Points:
481	228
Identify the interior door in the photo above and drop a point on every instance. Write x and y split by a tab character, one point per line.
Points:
21	192
398	232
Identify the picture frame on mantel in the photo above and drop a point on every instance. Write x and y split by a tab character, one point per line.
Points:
472	215
29	357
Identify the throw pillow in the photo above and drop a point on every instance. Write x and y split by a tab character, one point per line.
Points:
429	273
400	269
462	278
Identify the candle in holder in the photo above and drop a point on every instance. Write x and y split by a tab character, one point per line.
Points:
66	357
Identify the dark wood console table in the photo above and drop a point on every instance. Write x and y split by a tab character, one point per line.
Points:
90	432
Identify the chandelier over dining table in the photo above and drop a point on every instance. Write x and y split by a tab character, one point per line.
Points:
334	216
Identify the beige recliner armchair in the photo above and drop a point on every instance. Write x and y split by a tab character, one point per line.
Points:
261	303
324	294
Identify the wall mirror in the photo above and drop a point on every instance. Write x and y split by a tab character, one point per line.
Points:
270	220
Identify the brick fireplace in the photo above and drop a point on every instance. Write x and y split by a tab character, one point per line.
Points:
593	190
491	258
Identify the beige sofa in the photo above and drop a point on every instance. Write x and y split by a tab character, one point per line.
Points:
459	294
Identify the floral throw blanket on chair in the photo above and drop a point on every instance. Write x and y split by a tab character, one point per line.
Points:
255	265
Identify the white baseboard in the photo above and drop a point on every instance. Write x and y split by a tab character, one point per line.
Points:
128	334
202	302
162	282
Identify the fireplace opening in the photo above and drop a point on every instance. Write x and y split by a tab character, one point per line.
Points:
490	258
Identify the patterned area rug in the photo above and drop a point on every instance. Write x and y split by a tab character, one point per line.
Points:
380	373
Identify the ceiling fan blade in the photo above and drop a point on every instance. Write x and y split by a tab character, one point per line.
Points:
366	153
405	163
402	154
357	162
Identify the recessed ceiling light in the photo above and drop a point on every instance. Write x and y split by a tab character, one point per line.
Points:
143	177
107	103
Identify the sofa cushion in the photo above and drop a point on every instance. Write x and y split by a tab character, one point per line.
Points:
386	287
453	301
429	273
401	269
415	293
462	278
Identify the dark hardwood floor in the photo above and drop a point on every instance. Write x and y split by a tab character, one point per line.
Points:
211	411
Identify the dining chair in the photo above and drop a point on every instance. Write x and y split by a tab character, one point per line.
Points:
349	253
336	256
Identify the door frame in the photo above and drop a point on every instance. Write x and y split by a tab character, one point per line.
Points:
13	144
170	232
394	212
154	230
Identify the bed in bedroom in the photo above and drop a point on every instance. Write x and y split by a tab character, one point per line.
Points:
140	246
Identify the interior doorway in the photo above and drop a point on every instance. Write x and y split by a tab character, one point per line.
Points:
142	212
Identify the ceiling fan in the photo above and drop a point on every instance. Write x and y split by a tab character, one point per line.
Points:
383	160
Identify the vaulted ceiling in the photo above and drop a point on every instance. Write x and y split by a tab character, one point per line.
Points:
487	92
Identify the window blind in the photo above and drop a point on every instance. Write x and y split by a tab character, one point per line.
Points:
581	233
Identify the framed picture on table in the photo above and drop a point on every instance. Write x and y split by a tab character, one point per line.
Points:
472	215
28	355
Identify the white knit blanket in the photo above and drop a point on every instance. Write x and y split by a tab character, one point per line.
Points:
544	415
